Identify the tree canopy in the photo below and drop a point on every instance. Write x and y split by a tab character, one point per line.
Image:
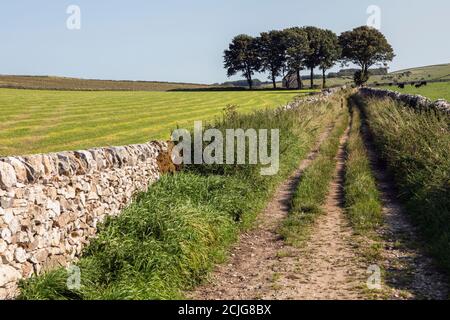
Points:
365	46
243	56
295	49
312	59
329	53
272	51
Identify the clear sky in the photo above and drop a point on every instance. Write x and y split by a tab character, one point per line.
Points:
183	40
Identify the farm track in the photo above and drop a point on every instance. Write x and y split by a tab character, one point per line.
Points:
410	272
262	266
330	265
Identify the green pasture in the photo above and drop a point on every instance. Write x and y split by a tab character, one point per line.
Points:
37	121
433	91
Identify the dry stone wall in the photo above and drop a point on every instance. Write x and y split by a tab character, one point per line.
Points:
50	204
415	101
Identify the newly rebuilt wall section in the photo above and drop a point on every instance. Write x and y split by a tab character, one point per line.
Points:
50	204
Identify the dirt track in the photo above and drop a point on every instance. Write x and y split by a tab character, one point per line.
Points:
263	267
330	265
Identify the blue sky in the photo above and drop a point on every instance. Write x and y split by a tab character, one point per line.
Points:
183	40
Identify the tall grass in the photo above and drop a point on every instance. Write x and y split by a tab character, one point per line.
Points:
362	199
416	148
313	188
171	236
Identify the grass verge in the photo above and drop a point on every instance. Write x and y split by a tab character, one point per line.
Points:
172	236
362	199
415	146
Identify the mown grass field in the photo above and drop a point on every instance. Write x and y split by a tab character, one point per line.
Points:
36	121
433	91
64	83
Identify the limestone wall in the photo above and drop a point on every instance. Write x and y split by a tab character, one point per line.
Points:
50	204
415	101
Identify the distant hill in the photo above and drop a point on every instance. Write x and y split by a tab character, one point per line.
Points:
242	83
432	73
428	73
62	83
351	72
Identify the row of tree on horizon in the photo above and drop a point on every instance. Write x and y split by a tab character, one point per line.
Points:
295	49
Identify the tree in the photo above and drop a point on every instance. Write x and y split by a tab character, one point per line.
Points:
313	57
365	46
329	52
297	49
272	49
360	78
242	56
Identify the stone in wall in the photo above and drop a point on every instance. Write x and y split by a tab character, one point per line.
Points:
415	101
51	204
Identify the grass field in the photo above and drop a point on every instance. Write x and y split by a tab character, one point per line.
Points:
64	83
33	121
433	91
439	71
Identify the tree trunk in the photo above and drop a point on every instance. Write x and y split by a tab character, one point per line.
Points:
250	82
299	80
312	78
248	75
274	81
324	81
364	73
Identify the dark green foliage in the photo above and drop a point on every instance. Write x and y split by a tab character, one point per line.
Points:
243	56
313	58
297	49
365	46
272	51
329	52
360	78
